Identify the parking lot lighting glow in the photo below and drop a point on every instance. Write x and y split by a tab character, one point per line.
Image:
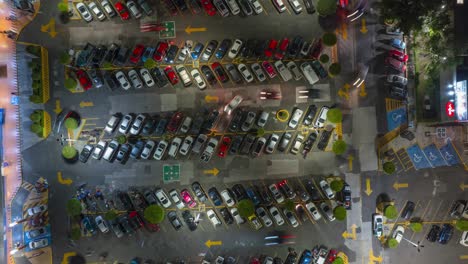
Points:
356	81
13	224
357	17
451	93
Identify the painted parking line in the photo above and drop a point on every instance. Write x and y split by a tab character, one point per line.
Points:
422	216
404	159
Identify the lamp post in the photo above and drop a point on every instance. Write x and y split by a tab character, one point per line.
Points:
418	245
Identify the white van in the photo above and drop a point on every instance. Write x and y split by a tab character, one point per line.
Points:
111	150
309	73
321	118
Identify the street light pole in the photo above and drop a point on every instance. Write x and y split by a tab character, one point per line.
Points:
416	245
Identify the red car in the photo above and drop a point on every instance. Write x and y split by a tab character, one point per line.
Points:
269	95
136	54
188	199
122	10
396	64
332	255
269	69
135	220
398	55
271	48
84	79
161	50
209	7
283	47
317	48
225	143
219	71
171	75
175	122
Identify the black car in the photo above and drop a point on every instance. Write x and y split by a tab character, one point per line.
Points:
208	52
346	196
209	75
123	153
239	192
407	134
264	195
235	144
85	153
150	197
247	144
310	115
295	47
210	121
110	80
291	258
222	49
197	189
248	49
309	6
159	77
125	224
309	143
84	56
300	212
137	149
171	54
259	49
228	219
149	126
445	234
310	187
180	4
189	220
318	68
408	210
111	53
215	197
433	234
236	120
125	199
196	125
277	260
245	7
96	78
233	72
324	138
99	55
220	73
286	189
161	127
122	56
175	221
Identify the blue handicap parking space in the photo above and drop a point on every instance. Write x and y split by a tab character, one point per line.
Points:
449	154
417	157
396	118
434	156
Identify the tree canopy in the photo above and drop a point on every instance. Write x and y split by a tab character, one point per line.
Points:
71	123
340	213
462	225
390	212
335	115
154	214
416	227
69	152
337	185
339	147
392	243
326	7
246	208
389	167
73	207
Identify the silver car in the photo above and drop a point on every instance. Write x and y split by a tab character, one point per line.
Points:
249	120
262	214
258	72
147	149
120	76
133	9
283	71
162	198
209	150
84	12
124	126
262	119
147	78
99	149
174	148
199	142
135	79
160	150
274	138
296	117
297	144
137	124
245	72
186	145
285	140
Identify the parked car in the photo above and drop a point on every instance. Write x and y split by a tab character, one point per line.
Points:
223	148
209	150
189	219
220	72
295	118
148	149
160	150
248	121
408	210
283	71
235	214
398	43
99	150
398	233
297	144
197	189
445	234
291	218
184	76
186	145
133	9
227	197
137	149
377	225
147	78
84	12
176	199
272	142
284	142
198	79
102	224
396	64
296	6
276	215
187	198
174	220
313	211
457	209
245	72
235	48
262	214
40	243
86	153
162	198
276	193
37	209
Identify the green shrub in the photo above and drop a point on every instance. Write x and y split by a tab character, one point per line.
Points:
75	233
462	225
334	115
150	63
416	227
334	69
337	185
289	205
329	39
64	58
36	128
110	215
338	260
71	123
326	7
246	208
62	6
36	75
260	132
324	58
70	83
73	207
390	212
389	167
121	139
34	50
392	243
339	147
36	116
69	152
340	213
154	214
35	99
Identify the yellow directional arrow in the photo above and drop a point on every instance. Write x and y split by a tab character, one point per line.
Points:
463	186
368	190
351	235
210	243
214	171
57	109
398	186
190	29
362	91
346	86
350	162
66	256
210	98
464	257
86	104
363	26
50	28
373	259
344	31
63	181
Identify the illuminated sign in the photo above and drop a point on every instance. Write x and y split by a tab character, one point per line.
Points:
450	109
460	101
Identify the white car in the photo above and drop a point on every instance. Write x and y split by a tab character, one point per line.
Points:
398	233
186	145
160	150
112	123
276	215
291	218
263	119
185	126
122	79
162	198
99	149
213	218
37	209
147	149
135	79
184	76
262	214
272	142
174	148
279	5
294	70
96	10
235	48
102	224
283	71
296	117
245	72
209	150
258	72
276	193
133	9
326	189
296	147
176	199
296	6
313	211
147	78
137	125
233	104
464	239
84	12
257	7
392	78
108	8
309	73
377	225
235	213
183	54
39	243
233	6
227	198
124	126
198	79
321	118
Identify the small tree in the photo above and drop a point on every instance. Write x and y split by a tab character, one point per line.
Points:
121	139
73	207
36	129
107	65
334	69
326	7
416	227
69	152
340	213
329	39
334	115
289	205
338	260
35	99
150	63
62	7
154	214
246	208
392	243
389	167
324	58
339	147
64	58
36	75
462	225
71	123
260	132
70	83
36	116
337	185
75	233
110	215
390	212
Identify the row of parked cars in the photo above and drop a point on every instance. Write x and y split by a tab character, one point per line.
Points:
103	9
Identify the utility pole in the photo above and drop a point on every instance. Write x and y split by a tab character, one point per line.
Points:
418	245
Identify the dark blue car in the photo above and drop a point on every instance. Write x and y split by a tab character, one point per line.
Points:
137	149
197	50
222	49
445	234
161	127
306	257
215	197
253	196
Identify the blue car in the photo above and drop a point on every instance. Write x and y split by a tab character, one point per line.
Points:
197	50
445	234
398	43
222	49
306	257
161	127
137	149
253	196
147	54
215	197
89	225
